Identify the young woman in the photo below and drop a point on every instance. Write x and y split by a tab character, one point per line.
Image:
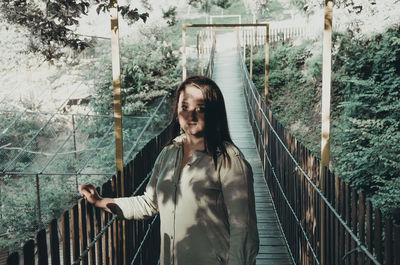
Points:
201	186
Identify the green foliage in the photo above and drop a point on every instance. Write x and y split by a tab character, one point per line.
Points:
149	70
370	131
170	16
17	136
365	107
49	22
206	5
292	89
19	212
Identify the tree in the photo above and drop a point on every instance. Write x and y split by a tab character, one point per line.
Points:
256	6
370	124
206	5
49	22
170	16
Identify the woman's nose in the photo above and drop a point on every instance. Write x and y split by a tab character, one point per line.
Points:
193	114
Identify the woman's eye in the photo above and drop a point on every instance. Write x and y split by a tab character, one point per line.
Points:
201	109
184	107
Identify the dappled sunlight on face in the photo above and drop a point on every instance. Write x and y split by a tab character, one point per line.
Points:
191	108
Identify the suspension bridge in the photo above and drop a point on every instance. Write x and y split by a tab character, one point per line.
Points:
289	196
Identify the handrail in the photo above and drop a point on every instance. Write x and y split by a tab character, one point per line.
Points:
115	217
210	65
360	246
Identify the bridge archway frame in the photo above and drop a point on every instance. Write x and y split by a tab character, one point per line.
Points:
225	16
237	26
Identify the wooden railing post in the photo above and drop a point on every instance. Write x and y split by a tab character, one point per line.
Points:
266	96
39	209
251	53
116	70
325	112
29	252
54	243
202	52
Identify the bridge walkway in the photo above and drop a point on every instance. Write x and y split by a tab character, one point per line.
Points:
273	250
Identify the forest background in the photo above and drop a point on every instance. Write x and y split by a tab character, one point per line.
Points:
68	57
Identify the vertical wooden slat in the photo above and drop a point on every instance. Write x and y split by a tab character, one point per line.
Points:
29	252
114	232
98	227
337	225
75	231
82	229
105	193
90	232
378	235
347	218
119	232
54	243
332	219
13	259
389	241
396	243
66	240
111	245
104	219
42	247
361	223
369	230
354	220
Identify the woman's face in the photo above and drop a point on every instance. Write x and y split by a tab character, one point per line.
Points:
191	109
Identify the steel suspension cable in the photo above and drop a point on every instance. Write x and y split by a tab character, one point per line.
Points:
13	122
38	132
95	149
70	114
328	204
145	128
59	174
65	141
149	226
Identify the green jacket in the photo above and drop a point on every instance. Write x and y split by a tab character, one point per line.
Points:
207	216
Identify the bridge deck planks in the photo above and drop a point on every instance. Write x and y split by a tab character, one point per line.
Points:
273	249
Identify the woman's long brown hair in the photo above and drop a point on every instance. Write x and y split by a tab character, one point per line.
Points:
216	133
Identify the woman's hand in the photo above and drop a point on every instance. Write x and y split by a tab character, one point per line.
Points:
89	193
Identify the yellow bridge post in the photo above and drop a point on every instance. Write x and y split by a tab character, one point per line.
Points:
325	111
116	73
